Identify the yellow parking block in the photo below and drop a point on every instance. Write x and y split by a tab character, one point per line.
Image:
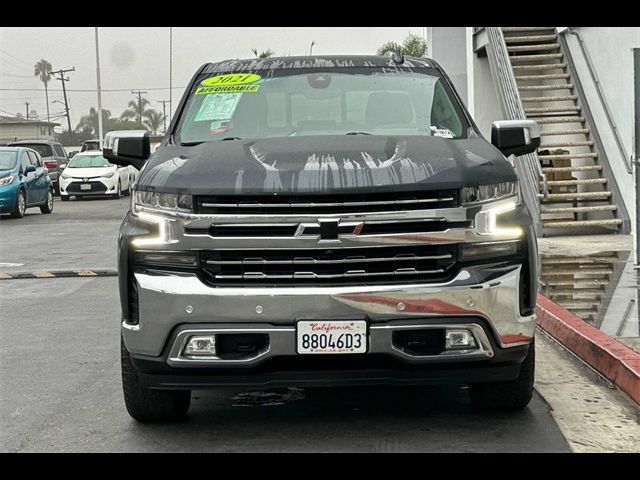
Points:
5	276
43	274
87	273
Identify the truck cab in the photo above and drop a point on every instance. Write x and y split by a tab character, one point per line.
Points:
322	221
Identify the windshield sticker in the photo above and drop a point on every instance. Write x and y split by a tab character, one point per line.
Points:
441	132
227	89
230	79
218	107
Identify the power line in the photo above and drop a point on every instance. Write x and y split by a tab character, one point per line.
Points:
14	57
13	64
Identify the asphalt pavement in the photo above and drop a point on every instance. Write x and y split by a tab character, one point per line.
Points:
60	387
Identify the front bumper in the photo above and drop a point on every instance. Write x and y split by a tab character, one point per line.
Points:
488	297
8	197
99	186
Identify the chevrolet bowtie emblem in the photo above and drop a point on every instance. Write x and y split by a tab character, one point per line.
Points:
329	230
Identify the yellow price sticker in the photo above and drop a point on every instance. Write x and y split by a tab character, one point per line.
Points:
230	79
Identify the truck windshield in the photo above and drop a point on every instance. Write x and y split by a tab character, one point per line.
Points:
295	102
88	161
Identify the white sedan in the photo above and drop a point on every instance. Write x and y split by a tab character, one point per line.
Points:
89	173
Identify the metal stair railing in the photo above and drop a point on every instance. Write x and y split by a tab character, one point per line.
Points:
533	182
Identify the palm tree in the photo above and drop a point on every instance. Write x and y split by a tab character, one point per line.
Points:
41	70
263	54
90	121
135	111
412	46
153	119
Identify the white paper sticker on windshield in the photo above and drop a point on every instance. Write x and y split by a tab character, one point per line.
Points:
441	132
218	107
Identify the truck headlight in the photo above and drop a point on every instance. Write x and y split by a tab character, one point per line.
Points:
487	220
166	202
488	193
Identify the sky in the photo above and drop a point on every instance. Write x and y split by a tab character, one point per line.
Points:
137	58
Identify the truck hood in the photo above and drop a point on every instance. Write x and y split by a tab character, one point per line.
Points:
324	164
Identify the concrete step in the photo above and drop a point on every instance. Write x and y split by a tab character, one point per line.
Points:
547	47
535	58
583	305
540	66
577	131
561	270
548	120
555	86
588	181
555	98
588	168
583	260
568	156
527	29
566	197
532	78
581	223
579	282
597	208
531	38
586	143
552	110
568	295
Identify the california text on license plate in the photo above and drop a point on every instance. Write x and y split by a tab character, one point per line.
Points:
85	186
332	336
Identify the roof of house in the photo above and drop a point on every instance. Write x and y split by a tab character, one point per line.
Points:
6	120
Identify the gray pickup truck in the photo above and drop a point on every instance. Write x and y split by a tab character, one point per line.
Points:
325	221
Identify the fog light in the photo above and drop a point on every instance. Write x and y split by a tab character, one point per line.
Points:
459	339
201	346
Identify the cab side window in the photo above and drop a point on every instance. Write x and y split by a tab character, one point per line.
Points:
35	159
59	151
24	161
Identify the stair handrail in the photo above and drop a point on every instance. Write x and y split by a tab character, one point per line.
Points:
533	181
626	159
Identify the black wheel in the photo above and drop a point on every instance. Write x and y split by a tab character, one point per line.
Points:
47	206
146	405
118	193
21	205
512	395
65	198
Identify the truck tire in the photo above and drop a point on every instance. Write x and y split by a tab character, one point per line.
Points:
512	395
146	405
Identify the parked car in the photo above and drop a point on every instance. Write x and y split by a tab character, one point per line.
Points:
315	221
90	145
89	174
24	182
53	155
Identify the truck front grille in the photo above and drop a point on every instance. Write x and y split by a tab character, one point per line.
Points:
326	204
330	266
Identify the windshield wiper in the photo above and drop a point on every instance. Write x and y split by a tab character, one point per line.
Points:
230	138
190	144
358	133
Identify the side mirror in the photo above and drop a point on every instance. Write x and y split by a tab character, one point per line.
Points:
62	166
72	154
29	168
127	147
515	137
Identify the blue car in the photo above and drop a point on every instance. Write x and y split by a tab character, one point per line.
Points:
24	182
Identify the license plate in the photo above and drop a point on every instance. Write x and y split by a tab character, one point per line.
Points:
85	186
332	336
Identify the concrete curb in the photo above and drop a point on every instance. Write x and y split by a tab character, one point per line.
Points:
614	360
57	274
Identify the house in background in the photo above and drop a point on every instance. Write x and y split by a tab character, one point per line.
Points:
14	128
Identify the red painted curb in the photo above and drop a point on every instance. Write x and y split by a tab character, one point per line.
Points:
614	360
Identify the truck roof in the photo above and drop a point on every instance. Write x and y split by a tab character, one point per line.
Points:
316	61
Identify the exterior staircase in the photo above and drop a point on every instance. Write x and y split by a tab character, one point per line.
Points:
579	200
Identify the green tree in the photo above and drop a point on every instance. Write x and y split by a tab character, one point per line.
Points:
153	120
135	111
263	54
41	70
90	121
412	46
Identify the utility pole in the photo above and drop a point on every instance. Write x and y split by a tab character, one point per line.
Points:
170	71
139	93
27	104
99	90
62	78
164	112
